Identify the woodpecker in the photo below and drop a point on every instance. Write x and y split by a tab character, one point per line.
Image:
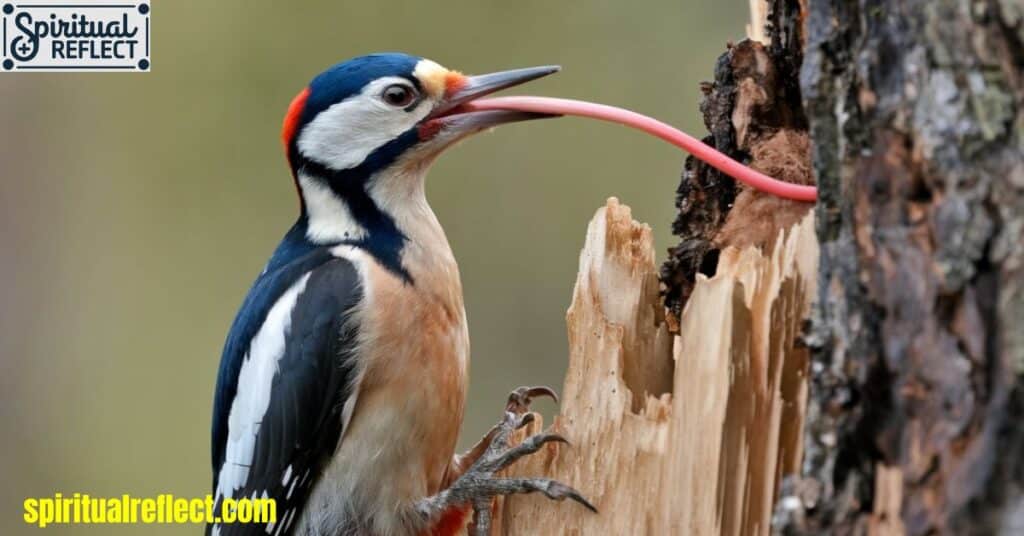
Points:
342	382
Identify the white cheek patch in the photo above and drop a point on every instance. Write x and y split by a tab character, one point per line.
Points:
342	136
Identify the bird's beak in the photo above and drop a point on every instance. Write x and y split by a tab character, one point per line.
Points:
447	114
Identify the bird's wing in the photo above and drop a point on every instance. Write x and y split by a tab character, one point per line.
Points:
283	386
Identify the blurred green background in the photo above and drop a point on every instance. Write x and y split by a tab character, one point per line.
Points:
135	210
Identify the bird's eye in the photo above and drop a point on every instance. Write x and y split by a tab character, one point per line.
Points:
399	95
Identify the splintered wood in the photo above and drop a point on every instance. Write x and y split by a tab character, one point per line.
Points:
758	21
675	435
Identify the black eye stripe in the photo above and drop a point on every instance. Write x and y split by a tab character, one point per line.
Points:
415	82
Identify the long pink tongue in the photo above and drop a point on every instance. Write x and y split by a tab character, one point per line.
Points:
653	127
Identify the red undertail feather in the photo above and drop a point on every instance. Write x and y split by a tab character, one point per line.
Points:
452	522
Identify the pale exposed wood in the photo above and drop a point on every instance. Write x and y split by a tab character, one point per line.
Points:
758	21
707	454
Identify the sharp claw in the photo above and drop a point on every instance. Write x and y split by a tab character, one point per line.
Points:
574	495
543	439
543	390
518	415
519	400
559	492
556	438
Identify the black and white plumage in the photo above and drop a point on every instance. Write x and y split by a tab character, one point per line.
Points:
342	381
289	360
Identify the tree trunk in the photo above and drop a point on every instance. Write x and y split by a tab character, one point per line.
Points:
909	117
916	126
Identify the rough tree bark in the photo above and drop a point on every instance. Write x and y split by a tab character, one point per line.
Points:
915	115
910	116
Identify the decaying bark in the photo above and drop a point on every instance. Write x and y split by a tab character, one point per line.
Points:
705	456
916	125
753	113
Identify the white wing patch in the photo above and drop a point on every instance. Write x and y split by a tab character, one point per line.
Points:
253	397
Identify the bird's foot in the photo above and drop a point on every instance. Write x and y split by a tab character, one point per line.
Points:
478	485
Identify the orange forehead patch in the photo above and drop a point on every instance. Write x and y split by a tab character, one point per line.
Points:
292	117
454	81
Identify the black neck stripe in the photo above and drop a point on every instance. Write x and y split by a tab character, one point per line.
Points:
384	240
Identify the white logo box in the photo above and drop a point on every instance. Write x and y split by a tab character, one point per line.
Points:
51	35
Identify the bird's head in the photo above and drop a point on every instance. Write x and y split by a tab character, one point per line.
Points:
360	137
